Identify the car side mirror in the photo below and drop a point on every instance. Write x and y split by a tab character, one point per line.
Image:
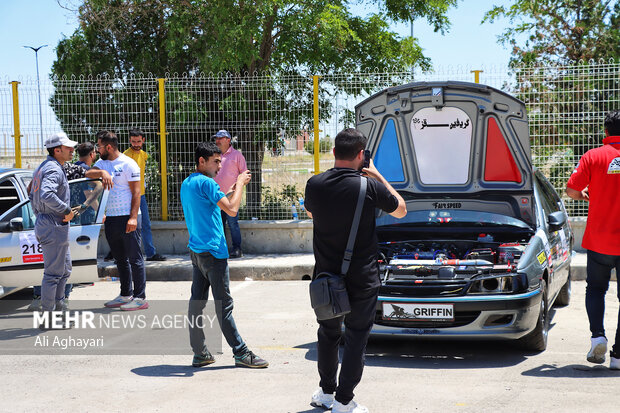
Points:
556	220
16	224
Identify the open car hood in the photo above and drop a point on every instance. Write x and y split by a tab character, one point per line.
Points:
452	145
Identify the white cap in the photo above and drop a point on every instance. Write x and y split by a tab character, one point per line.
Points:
58	139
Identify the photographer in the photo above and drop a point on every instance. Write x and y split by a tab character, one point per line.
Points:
331	198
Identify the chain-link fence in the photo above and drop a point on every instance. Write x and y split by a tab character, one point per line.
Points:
271	120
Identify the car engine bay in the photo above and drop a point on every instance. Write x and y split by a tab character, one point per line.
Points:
480	266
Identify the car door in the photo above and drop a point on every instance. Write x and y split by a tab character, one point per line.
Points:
21	258
559	241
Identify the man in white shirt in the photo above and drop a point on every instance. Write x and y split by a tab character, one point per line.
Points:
121	223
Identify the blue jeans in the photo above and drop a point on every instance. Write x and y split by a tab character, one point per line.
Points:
235	232
125	248
212	272
147	236
599	273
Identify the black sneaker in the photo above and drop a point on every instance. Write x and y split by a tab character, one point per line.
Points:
156	257
109	257
250	360
236	253
201	360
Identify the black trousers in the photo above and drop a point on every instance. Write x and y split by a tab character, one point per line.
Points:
358	324
599	273
126	251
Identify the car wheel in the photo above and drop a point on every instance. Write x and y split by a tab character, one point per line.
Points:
563	298
537	339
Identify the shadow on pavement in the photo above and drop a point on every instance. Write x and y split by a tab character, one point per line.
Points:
578	371
431	354
312	410
168	370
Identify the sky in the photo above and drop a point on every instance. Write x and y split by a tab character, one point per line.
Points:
38	22
31	23
467	45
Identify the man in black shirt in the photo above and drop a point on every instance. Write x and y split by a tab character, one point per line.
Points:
330	200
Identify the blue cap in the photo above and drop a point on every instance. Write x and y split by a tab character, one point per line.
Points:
222	133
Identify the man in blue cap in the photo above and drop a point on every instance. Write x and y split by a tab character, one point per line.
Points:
50	197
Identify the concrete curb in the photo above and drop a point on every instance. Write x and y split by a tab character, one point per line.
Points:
270	267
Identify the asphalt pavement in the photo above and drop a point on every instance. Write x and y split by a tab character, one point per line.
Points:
276	321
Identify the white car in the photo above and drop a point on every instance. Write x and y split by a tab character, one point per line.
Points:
21	260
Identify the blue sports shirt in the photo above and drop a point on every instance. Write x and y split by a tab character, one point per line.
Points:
199	197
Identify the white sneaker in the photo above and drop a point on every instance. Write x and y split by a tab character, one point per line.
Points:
135	304
118	301
614	363
320	399
351	407
598	350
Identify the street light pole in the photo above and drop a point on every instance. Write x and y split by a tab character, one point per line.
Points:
36	56
413	40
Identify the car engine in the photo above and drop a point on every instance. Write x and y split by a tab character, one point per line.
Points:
406	263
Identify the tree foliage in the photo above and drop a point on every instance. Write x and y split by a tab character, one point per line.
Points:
561	55
255	48
560	31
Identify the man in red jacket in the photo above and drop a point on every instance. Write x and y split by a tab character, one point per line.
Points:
596	179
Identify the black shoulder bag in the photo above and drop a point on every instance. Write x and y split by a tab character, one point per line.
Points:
328	291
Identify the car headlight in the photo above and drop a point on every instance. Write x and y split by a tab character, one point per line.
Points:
494	285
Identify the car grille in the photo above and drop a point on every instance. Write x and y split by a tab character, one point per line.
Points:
461	318
427	288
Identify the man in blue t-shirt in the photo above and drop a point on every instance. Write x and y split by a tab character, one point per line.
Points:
203	202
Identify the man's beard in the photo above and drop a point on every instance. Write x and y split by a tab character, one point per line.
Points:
136	148
104	156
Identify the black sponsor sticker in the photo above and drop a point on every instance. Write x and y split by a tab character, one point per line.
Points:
447	205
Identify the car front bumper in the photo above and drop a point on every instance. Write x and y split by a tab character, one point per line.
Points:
482	317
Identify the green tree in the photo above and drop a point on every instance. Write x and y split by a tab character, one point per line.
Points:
560	31
257	45
561	55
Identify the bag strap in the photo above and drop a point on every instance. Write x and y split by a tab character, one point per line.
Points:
348	252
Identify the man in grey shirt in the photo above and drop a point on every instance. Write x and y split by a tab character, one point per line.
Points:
50	197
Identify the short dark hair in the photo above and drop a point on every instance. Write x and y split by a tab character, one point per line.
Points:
99	134
612	123
50	151
136	132
348	144
108	138
205	150
85	148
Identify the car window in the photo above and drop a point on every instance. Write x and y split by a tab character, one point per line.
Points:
452	218
436	134
388	156
549	198
9	197
26	179
22	210
85	198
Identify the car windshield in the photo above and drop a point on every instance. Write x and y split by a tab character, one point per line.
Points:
452	218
